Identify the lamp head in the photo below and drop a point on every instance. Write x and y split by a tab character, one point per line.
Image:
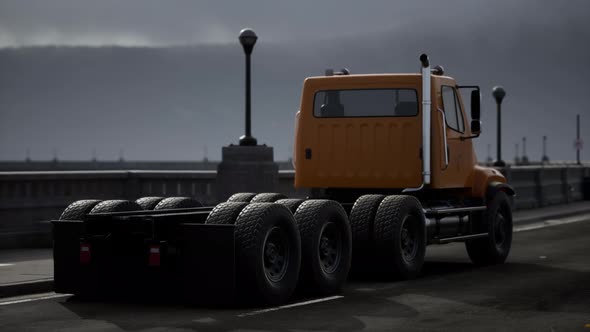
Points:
248	39
499	93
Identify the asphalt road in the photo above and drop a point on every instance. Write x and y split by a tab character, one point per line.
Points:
544	286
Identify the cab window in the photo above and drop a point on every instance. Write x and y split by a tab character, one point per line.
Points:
365	103
452	108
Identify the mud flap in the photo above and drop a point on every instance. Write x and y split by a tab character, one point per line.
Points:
78	265
208	263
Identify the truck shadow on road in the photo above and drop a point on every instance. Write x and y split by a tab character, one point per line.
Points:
509	287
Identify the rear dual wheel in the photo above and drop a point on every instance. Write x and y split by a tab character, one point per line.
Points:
161	203
115	205
389	235
273	241
148	203
268	253
177	203
326	246
256	198
362	219
79	209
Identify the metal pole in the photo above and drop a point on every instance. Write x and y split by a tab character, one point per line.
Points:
248	103
544	145
499	143
248	39
499	93
545	158
525	159
578	139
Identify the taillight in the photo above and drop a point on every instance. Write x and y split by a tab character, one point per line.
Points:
84	253
154	255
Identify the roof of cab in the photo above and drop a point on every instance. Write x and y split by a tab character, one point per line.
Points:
359	79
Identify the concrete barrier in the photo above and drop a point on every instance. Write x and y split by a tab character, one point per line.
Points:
29	198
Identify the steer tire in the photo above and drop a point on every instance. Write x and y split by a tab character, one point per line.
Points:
326	245
115	205
267	198
362	218
148	203
291	203
400	236
177	203
79	209
225	213
497	221
241	197
268	253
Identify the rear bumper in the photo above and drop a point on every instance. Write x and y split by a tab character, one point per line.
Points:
196	263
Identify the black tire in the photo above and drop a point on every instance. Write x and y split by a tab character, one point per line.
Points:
497	221
177	203
148	203
326	245
400	236
268	253
291	203
115	205
225	213
362	218
267	198
241	197
79	209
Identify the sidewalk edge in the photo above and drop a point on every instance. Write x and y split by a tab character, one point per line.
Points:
26	288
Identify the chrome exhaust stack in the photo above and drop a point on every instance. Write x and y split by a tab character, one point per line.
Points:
426	73
426	82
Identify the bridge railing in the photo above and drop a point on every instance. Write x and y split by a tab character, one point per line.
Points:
26	198
538	186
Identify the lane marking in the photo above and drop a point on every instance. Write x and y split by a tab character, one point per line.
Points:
552	222
6	264
32	299
288	306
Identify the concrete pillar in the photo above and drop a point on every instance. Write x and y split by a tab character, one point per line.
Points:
246	169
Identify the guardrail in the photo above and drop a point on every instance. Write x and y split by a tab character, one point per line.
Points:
538	186
26	198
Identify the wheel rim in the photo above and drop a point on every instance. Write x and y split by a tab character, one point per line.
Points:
409	239
330	247
500	231
276	254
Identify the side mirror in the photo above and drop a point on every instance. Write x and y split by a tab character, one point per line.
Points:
475	107
475	127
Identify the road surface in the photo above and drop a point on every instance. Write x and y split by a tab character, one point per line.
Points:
544	286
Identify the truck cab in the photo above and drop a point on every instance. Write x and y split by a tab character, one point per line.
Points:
369	132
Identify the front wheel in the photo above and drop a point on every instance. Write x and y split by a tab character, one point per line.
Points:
497	222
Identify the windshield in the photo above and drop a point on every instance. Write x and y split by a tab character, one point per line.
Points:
365	103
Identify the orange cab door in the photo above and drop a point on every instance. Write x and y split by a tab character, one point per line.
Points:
454	166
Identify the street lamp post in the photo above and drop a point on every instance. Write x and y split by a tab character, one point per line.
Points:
545	158
499	93
578	140
248	39
525	159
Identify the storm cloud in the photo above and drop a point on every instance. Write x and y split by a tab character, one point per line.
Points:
163	79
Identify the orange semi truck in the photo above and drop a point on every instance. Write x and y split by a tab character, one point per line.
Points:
391	168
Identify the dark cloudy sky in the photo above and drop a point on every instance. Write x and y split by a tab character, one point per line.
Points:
172	22
173	83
